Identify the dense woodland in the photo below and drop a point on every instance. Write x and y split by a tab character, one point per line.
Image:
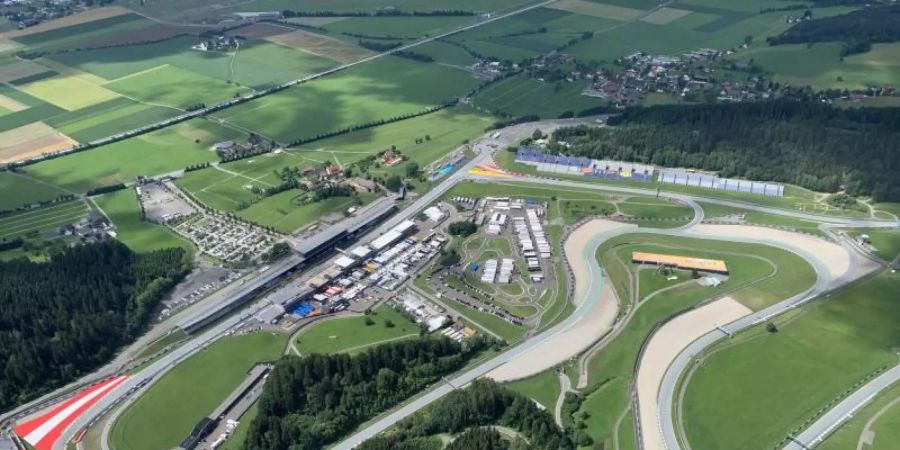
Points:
484	403
64	317
856	28
313	401
812	145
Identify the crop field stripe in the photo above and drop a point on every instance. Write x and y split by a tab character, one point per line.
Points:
37	212
52	222
43	216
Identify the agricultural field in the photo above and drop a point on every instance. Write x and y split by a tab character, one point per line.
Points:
124	211
818	352
381	89
521	96
397	27
529	34
167	150
151	423
20	191
351	334
39	222
752	281
256	64
31	140
822	67
287	213
108	118
446	130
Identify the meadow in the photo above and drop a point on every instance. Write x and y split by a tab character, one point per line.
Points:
20	191
165	414
351	334
124	210
885	241
287	213
446	130
543	388
785	378
398	27
384	88
256	64
521	96
108	118
35	223
155	153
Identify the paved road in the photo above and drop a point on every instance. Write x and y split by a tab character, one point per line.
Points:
843	411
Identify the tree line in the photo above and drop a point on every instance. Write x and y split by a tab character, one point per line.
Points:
465	412
63	318
856	29
812	145
311	402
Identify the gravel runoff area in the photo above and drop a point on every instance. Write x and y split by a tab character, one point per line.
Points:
835	257
665	345
588	330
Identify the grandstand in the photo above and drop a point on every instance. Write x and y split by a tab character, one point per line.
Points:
727	184
680	262
575	165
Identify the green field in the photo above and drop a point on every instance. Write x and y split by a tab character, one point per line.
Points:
543	388
821	65
164	415
71	36
351	334
522	96
398	27
108	118
286	212
19	191
37	109
610	371
175	87
124	210
886	427
447	53
257	63
446	131
38	222
155	153
381	89
886	242
711	211
786	377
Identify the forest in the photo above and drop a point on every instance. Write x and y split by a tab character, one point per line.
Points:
312	401
812	145
63	318
484	403
869	25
